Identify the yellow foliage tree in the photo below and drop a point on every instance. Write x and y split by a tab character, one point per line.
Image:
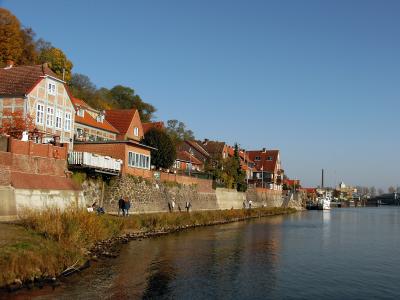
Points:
11	39
57	61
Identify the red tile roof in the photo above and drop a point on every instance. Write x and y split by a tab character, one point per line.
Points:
21	180
18	81
150	125
264	163
120	118
79	102
185	156
88	120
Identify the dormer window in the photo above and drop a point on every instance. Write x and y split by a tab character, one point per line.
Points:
81	112
136	131
100	118
51	88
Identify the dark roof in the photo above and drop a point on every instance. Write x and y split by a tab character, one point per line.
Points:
120	118
150	125
129	142
19	81
88	120
197	146
264	163
213	147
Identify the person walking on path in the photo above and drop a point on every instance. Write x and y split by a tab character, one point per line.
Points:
188	206
250	203
121	206
173	204
127	204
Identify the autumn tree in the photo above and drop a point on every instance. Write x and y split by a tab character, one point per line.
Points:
11	39
178	131
165	154
14	123
57	60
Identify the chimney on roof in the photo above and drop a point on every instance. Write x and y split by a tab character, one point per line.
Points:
9	63
205	142
264	150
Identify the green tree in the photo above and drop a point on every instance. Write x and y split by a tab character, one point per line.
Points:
58	62
11	39
165	154
124	97
178	131
232	174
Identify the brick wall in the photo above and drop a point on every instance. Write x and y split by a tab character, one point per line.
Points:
40	150
203	185
32	164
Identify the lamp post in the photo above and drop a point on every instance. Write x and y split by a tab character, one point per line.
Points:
262	176
190	160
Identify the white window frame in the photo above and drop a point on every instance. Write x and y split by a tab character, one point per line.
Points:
81	112
136	131
51	88
58	119
40	113
138	160
50	116
67	121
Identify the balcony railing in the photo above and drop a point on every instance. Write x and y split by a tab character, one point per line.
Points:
98	163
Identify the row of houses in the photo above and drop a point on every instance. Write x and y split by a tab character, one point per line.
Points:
109	141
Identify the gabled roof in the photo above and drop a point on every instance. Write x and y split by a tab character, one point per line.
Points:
264	163
185	156
88	120
150	125
120	118
196	146
20	80
213	147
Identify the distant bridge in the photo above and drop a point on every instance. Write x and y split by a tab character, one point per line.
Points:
385	199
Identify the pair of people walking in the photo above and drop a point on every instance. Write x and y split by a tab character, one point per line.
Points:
123	206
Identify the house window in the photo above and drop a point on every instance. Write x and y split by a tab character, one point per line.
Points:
269	158
79	132
136	131
257	158
39	114
100	118
138	160
49	116
51	88
67	122
81	112
178	164
58	118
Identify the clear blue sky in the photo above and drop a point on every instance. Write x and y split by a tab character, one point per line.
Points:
318	80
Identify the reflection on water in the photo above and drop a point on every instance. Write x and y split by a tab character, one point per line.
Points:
338	254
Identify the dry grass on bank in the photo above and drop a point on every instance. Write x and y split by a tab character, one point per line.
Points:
47	242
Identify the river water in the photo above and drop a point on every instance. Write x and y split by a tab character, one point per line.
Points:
344	253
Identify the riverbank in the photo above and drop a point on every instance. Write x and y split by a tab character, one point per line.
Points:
41	246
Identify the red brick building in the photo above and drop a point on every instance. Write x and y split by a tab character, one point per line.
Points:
126	147
268	172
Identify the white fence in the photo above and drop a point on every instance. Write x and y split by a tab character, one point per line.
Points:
94	161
